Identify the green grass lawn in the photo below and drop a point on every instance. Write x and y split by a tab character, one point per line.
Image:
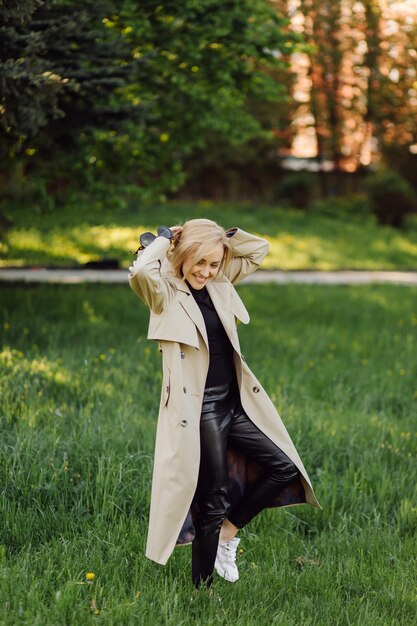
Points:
79	398
299	239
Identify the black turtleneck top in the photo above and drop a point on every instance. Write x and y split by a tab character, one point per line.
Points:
221	367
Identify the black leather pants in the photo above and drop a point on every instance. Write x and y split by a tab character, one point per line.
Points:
224	423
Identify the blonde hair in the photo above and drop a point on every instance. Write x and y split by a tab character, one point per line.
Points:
196	239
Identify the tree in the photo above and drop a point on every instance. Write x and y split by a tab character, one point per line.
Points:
205	69
361	96
62	74
28	97
133	89
393	99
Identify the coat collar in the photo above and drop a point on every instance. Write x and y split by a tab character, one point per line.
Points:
192	309
222	294
226	302
225	299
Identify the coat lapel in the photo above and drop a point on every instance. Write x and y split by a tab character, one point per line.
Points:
226	301
191	308
222	295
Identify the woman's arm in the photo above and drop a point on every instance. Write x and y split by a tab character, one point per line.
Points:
248	253
145	275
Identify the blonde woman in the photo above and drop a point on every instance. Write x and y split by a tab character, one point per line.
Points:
222	453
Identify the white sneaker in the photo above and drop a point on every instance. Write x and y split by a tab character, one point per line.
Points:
226	560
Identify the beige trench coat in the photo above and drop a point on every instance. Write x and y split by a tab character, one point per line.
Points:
177	323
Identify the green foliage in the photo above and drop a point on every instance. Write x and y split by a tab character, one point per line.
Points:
18	9
79	393
202	65
28	94
350	208
61	76
391	197
399	158
297	189
129	90
148	93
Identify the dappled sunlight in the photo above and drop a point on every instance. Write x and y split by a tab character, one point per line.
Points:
40	382
15	360
76	245
106	237
33	246
34	380
405	245
333	251
298	241
291	252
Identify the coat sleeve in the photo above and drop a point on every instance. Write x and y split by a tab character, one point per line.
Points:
248	253
145	275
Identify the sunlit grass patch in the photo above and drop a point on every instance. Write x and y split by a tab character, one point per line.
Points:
299	239
74	245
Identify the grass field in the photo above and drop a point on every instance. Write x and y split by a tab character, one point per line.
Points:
79	397
90	231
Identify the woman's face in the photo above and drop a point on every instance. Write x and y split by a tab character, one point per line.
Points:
205	270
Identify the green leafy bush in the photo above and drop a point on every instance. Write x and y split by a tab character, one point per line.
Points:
353	207
297	188
391	197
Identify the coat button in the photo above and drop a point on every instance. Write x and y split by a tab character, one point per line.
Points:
182	355
184	423
184	389
255	389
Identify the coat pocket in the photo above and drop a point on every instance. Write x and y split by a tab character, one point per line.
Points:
166	388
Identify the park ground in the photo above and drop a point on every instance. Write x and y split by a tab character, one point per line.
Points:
79	391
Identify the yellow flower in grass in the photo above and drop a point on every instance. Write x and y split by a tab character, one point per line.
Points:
90	576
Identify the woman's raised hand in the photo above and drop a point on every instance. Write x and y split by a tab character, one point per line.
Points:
175	229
